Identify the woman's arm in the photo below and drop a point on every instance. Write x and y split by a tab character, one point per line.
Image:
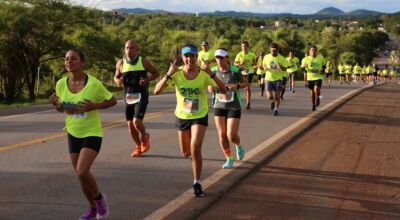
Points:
163	82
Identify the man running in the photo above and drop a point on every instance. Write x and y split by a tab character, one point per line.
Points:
328	73
304	70
261	72
246	61
315	67
274	65
131	73
206	56
293	70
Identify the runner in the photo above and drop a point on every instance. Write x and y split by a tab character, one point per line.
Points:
192	107
206	56
274	64
315	67
227	109
304	70
364	74
246	61
285	76
342	73
81	96
293	70
261	72
385	73
357	69
375	72
369	70
131	73
348	71
328	73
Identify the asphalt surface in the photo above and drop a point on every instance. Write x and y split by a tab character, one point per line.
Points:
344	165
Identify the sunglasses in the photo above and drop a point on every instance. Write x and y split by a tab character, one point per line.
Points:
219	57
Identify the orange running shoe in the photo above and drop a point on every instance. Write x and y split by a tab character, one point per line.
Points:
145	143
136	152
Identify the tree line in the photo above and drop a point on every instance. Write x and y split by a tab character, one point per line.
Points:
35	34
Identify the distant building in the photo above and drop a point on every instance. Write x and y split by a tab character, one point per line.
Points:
280	24
381	27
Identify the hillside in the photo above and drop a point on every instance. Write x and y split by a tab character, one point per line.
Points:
330	11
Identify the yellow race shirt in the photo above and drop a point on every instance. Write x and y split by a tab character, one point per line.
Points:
191	95
357	69
260	70
247	60
348	69
275	73
82	124
294	64
341	69
206	56
313	66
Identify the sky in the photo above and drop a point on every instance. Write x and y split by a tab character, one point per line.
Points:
257	6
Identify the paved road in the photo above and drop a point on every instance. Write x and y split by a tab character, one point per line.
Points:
345	167
37	181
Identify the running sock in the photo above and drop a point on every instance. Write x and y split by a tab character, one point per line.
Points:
196	181
227	152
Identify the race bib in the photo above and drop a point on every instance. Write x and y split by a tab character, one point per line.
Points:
225	98
132	98
191	105
73	110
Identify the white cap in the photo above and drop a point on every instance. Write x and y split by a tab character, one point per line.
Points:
220	53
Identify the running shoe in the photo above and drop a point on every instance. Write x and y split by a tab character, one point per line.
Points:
293	91
313	108
317	103
272	105
137	152
90	214
197	191
145	143
228	164
275	113
102	209
248	106
239	152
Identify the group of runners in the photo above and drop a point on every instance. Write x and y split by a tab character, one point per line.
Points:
369	74
194	74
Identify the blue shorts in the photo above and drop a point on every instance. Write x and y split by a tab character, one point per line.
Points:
274	85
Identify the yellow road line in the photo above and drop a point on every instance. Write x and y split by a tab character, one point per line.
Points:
62	134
